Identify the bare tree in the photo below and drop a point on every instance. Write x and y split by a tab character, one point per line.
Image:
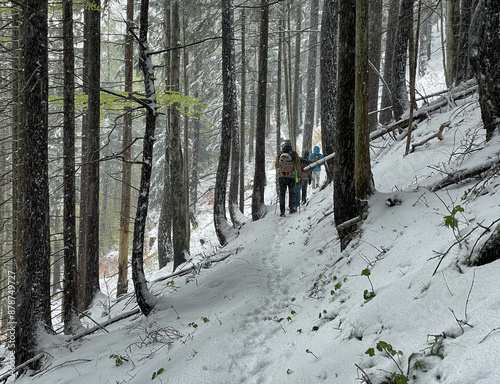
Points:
223	230
144	298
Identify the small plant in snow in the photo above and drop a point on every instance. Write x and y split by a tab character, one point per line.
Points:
309	351
368	295
119	359
387	350
158	372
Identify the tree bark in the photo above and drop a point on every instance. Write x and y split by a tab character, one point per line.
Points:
145	299
243	110
33	276
328	67
179	219
222	228
405	27
231	112
344	193
485	61
374	52
463	70
386	104
362	168
122	286
165	247
70	315
258	207
297	86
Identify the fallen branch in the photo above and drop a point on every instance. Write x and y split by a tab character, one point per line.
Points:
319	162
348	223
465	174
439	135
103	325
5	376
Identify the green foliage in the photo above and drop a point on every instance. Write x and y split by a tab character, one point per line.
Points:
398	378
388	350
158	372
118	359
193	324
368	295
450	221
288	371
207	265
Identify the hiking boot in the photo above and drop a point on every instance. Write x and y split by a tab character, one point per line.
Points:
282	214
293	210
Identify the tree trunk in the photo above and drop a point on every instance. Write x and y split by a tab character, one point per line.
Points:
258	207
185	61
387	98
295	129
222	228
179	219
328	66
375	36
344	193
230	110
452	39
485	61
145	299
463	71
362	168
165	248
33	275
122	286
70	315
311	79
243	111
405	27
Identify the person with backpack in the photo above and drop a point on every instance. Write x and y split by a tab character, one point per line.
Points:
315	156
287	164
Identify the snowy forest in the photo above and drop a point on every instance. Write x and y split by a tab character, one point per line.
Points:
138	184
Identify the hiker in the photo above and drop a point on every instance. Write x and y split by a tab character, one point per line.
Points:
306	176
287	164
315	156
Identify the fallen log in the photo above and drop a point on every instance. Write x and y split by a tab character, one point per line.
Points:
465	174
461	91
319	162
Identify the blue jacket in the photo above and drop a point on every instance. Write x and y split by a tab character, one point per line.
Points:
315	156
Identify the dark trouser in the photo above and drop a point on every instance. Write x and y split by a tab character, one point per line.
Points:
284	183
304	190
298	188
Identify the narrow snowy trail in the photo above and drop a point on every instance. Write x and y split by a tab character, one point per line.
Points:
262	322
